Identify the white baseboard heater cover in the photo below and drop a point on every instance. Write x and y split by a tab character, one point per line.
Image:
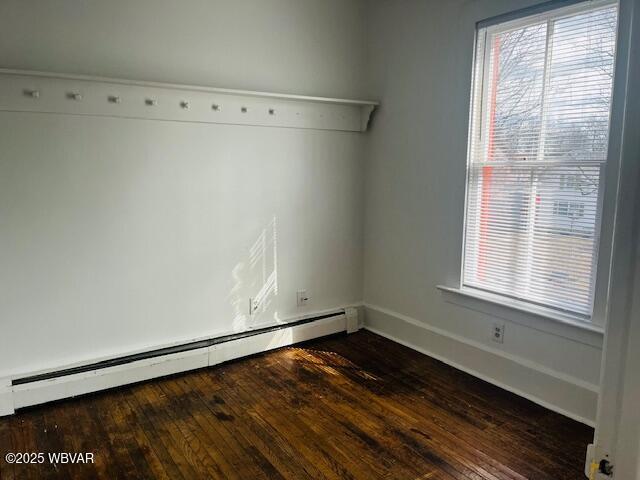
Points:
46	387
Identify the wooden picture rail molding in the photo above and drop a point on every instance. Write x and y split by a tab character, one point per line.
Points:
41	92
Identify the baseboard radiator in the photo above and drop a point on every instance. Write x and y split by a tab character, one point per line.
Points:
28	390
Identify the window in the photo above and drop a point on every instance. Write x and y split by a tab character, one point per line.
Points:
538	145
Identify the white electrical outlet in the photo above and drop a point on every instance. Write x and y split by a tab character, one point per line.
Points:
254	306
497	332
303	298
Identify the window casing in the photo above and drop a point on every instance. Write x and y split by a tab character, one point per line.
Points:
540	116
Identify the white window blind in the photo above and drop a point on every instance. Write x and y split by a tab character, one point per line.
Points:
539	133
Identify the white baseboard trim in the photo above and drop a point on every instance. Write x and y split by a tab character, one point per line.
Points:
559	392
13	397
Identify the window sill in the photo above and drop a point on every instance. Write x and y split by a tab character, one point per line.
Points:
539	318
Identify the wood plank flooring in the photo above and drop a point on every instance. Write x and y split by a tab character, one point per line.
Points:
343	407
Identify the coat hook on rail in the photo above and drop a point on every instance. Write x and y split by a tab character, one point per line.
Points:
74	96
114	99
151	102
184	104
215	107
31	93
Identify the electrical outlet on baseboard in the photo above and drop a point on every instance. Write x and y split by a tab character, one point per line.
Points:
497	332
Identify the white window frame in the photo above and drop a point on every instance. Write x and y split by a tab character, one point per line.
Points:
607	195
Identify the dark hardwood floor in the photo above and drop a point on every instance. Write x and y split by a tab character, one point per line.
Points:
343	407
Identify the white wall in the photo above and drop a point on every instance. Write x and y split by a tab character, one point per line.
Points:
290	46
119	235
420	69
